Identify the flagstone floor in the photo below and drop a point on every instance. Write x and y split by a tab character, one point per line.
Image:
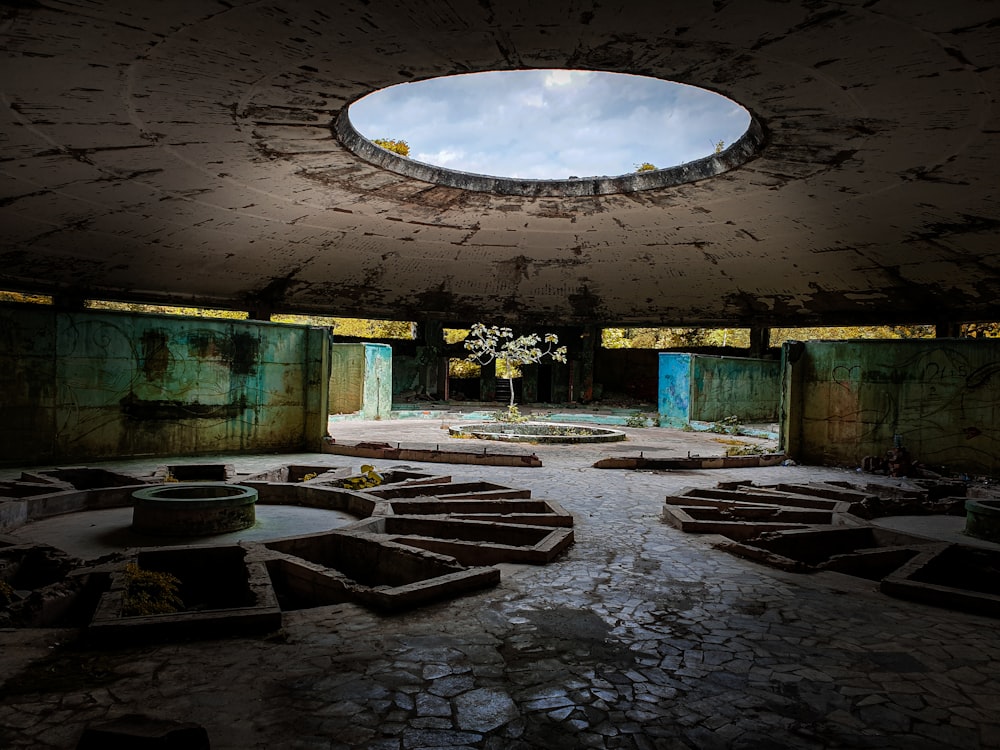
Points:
640	636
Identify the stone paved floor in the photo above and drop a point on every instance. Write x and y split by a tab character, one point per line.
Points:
639	637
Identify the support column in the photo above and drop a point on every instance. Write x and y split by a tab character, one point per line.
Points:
588	343
760	341
947	330
488	382
431	358
791	412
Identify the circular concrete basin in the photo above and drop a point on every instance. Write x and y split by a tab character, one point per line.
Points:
193	509
537	432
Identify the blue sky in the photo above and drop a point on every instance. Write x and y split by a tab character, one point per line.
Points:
550	124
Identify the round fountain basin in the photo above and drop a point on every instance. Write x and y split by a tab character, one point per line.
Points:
538	432
982	519
193	509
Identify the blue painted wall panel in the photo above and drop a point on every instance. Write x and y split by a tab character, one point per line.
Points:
378	382
674	392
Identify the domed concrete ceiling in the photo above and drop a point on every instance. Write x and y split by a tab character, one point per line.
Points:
184	152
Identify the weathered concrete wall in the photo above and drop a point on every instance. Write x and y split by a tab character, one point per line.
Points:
674	392
97	384
378	382
347	378
695	387
721	387
844	400
361	380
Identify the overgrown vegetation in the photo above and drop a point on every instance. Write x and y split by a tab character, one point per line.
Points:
510	415
748	450
728	426
611	338
677	338
150	592
397	147
637	419
34	299
369	477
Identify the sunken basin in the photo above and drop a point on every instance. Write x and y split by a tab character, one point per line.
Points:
193	509
537	432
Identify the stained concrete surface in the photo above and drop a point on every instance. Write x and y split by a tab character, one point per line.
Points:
184	152
95	533
638	637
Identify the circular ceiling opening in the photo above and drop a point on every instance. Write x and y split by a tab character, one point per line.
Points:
550	132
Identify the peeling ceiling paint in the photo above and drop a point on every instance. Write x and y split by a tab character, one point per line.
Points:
183	152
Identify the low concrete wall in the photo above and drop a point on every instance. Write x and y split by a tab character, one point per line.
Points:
364	560
844	400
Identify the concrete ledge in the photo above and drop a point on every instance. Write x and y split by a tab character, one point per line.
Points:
695	462
385	452
949	575
110	627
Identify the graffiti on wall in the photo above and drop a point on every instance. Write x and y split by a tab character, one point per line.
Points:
941	399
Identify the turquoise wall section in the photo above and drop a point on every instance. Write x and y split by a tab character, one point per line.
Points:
98	384
844	400
702	388
674	392
378	382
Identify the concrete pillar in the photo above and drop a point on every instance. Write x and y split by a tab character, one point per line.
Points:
791	411
760	341
431	358
529	383
488	382
588	338
947	330
260	313
317	366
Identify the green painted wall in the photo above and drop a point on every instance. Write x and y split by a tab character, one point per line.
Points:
674	394
703	388
844	400
99	384
723	387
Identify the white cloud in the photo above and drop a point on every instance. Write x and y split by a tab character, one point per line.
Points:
443	158
560	78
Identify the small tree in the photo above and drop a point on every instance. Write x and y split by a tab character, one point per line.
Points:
645	167
488	344
397	147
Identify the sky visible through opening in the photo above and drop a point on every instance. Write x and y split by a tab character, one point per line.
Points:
550	124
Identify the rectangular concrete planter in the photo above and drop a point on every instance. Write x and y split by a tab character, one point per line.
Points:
259	614
950	575
334	567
